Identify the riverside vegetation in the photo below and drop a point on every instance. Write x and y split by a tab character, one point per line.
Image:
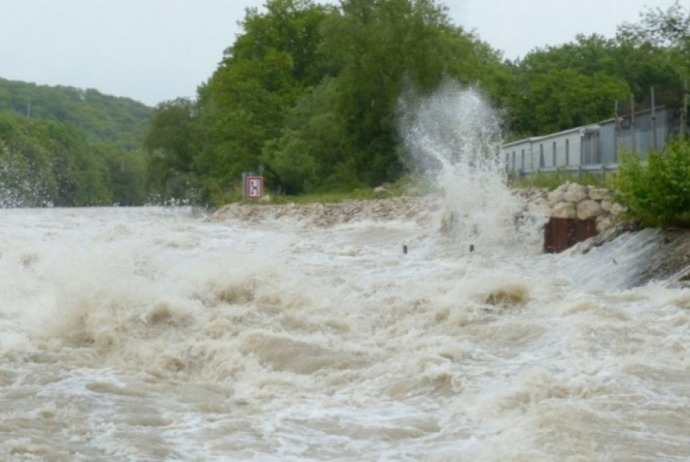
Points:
314	93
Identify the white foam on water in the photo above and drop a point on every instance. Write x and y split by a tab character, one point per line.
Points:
135	333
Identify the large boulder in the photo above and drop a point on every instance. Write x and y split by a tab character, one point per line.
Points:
575	193
606	205
564	210
588	208
604	222
556	196
598	194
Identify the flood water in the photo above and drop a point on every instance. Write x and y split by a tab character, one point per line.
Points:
156	334
150	334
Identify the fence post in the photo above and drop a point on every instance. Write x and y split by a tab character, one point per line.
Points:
684	110
632	123
653	120
616	134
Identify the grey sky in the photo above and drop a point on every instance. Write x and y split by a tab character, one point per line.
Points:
156	50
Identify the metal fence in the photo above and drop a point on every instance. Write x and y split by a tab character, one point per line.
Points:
638	127
578	171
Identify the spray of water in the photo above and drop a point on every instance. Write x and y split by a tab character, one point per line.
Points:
453	135
21	184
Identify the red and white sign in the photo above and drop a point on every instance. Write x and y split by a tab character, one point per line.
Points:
254	187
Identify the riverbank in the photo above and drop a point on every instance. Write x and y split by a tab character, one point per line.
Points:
418	208
663	255
570	200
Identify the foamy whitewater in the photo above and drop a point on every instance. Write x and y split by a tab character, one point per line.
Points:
158	334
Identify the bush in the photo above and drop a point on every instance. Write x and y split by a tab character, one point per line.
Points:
656	191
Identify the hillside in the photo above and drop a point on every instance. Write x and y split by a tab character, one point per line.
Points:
104	119
64	146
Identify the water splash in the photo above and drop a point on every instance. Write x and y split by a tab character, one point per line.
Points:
453	135
22	184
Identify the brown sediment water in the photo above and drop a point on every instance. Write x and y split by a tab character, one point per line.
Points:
154	334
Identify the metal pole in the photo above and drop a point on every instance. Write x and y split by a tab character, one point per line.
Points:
684	109
632	122
616	134
653	120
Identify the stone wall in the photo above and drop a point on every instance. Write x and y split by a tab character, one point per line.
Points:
575	201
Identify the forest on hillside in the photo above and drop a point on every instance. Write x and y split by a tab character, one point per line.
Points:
64	146
310	91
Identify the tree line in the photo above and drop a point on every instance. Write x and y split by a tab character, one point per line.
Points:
310	91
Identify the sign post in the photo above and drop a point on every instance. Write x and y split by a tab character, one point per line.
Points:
253	187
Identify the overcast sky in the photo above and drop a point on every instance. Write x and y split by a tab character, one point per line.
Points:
157	50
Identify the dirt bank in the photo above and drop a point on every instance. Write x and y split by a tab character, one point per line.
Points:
419	208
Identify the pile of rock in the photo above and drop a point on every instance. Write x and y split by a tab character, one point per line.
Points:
572	200
324	215
575	201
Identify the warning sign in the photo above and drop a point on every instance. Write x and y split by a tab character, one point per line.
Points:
254	187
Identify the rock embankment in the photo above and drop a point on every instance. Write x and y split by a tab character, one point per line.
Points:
419	208
575	201
570	200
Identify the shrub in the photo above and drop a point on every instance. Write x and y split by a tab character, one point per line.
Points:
656	191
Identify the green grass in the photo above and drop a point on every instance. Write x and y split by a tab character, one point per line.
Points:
325	197
406	185
552	180
415	184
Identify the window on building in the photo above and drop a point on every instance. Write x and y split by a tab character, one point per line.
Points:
567	152
522	160
554	153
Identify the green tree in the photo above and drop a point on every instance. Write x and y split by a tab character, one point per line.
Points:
61	146
81	176
382	45
25	166
244	104
311	92
562	99
579	82
314	149
126	174
48	162
102	118
663	29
